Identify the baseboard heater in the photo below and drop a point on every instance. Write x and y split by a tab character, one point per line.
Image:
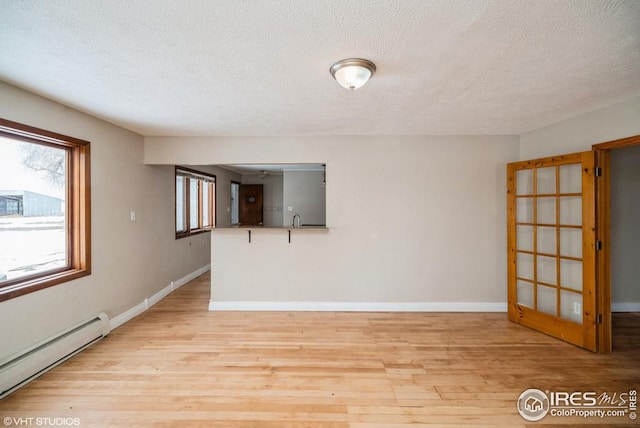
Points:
21	368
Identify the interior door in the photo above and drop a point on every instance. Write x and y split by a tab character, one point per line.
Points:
251	201
551	246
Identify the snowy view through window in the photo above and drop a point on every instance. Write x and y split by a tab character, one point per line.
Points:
32	209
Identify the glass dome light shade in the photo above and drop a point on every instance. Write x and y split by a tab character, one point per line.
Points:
352	73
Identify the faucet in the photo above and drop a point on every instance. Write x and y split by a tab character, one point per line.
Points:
293	223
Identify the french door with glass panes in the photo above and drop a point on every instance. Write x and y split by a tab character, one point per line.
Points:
551	246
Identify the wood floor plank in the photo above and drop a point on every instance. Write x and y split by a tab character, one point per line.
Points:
179	365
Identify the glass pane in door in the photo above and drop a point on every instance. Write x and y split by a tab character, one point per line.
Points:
571	306
525	266
547	240
525	238
546	267
524	210
571	178
525	294
571	274
571	210
546	181
571	242
547	299
546	211
524	182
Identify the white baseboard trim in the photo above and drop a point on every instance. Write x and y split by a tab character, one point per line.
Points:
360	306
118	320
625	307
150	301
131	313
193	275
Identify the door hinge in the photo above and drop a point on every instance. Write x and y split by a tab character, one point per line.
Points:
599	319
598	171
598	245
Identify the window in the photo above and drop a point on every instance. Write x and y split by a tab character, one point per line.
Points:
235	202
195	202
44	209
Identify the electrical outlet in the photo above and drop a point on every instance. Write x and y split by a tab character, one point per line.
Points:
577	308
133	216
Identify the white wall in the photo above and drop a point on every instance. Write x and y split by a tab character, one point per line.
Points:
625	225
130	260
305	194
580	133
431	229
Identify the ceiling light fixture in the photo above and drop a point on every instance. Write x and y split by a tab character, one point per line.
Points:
352	73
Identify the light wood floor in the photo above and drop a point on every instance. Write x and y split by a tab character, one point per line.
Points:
179	365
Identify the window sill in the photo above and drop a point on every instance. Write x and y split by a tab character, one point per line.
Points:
18	288
180	235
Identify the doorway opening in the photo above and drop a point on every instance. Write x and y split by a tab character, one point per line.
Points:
618	205
573	239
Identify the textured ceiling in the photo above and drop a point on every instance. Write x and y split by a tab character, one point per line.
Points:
260	67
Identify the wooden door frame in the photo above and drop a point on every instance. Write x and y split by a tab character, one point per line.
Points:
602	153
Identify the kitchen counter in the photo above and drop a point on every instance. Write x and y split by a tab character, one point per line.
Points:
266	229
